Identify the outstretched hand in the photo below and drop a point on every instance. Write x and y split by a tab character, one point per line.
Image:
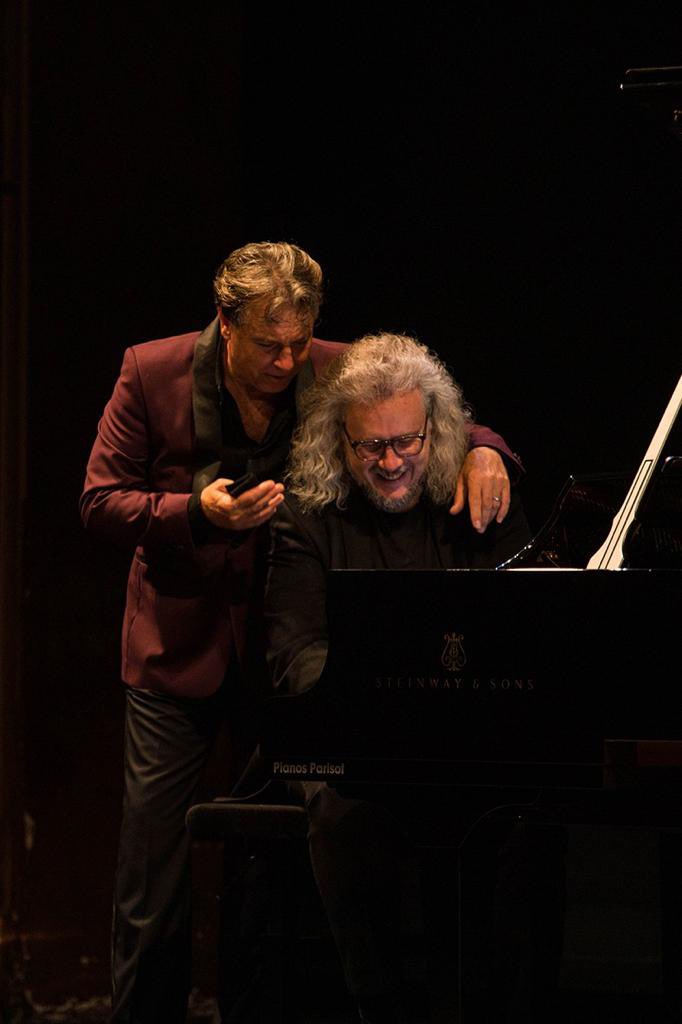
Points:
250	509
485	483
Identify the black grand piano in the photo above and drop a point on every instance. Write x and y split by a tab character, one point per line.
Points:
561	669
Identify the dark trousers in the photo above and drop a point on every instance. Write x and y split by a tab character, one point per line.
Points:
167	742
514	895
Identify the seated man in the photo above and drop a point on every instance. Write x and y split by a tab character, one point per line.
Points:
383	434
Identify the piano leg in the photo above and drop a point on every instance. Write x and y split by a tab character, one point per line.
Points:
670	859
512	915
501	917
441	898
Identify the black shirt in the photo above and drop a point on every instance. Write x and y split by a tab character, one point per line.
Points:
404	540
241	454
266	459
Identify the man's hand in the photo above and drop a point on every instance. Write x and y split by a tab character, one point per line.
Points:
485	482
252	508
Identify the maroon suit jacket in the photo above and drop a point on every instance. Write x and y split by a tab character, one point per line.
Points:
189	609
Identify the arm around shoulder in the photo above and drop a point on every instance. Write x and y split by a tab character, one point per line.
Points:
483	437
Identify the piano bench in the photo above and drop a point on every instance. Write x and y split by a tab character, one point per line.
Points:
272	930
226	818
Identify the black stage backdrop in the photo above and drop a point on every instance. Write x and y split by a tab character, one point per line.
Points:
467	173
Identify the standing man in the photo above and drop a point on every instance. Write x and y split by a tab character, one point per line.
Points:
188	415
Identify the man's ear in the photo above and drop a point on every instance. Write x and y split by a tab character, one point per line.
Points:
225	325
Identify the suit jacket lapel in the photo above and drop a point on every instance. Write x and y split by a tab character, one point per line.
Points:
206	406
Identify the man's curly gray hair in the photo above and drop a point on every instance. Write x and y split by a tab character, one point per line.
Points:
283	273
374	368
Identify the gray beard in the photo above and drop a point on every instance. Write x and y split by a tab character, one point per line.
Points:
404	504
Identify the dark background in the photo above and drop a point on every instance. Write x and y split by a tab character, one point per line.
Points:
469	173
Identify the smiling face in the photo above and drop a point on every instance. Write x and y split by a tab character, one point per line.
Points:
393	483
264	353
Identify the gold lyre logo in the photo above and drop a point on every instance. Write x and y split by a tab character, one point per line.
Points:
453	657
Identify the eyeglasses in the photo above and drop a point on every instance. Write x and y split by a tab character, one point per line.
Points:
373	449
